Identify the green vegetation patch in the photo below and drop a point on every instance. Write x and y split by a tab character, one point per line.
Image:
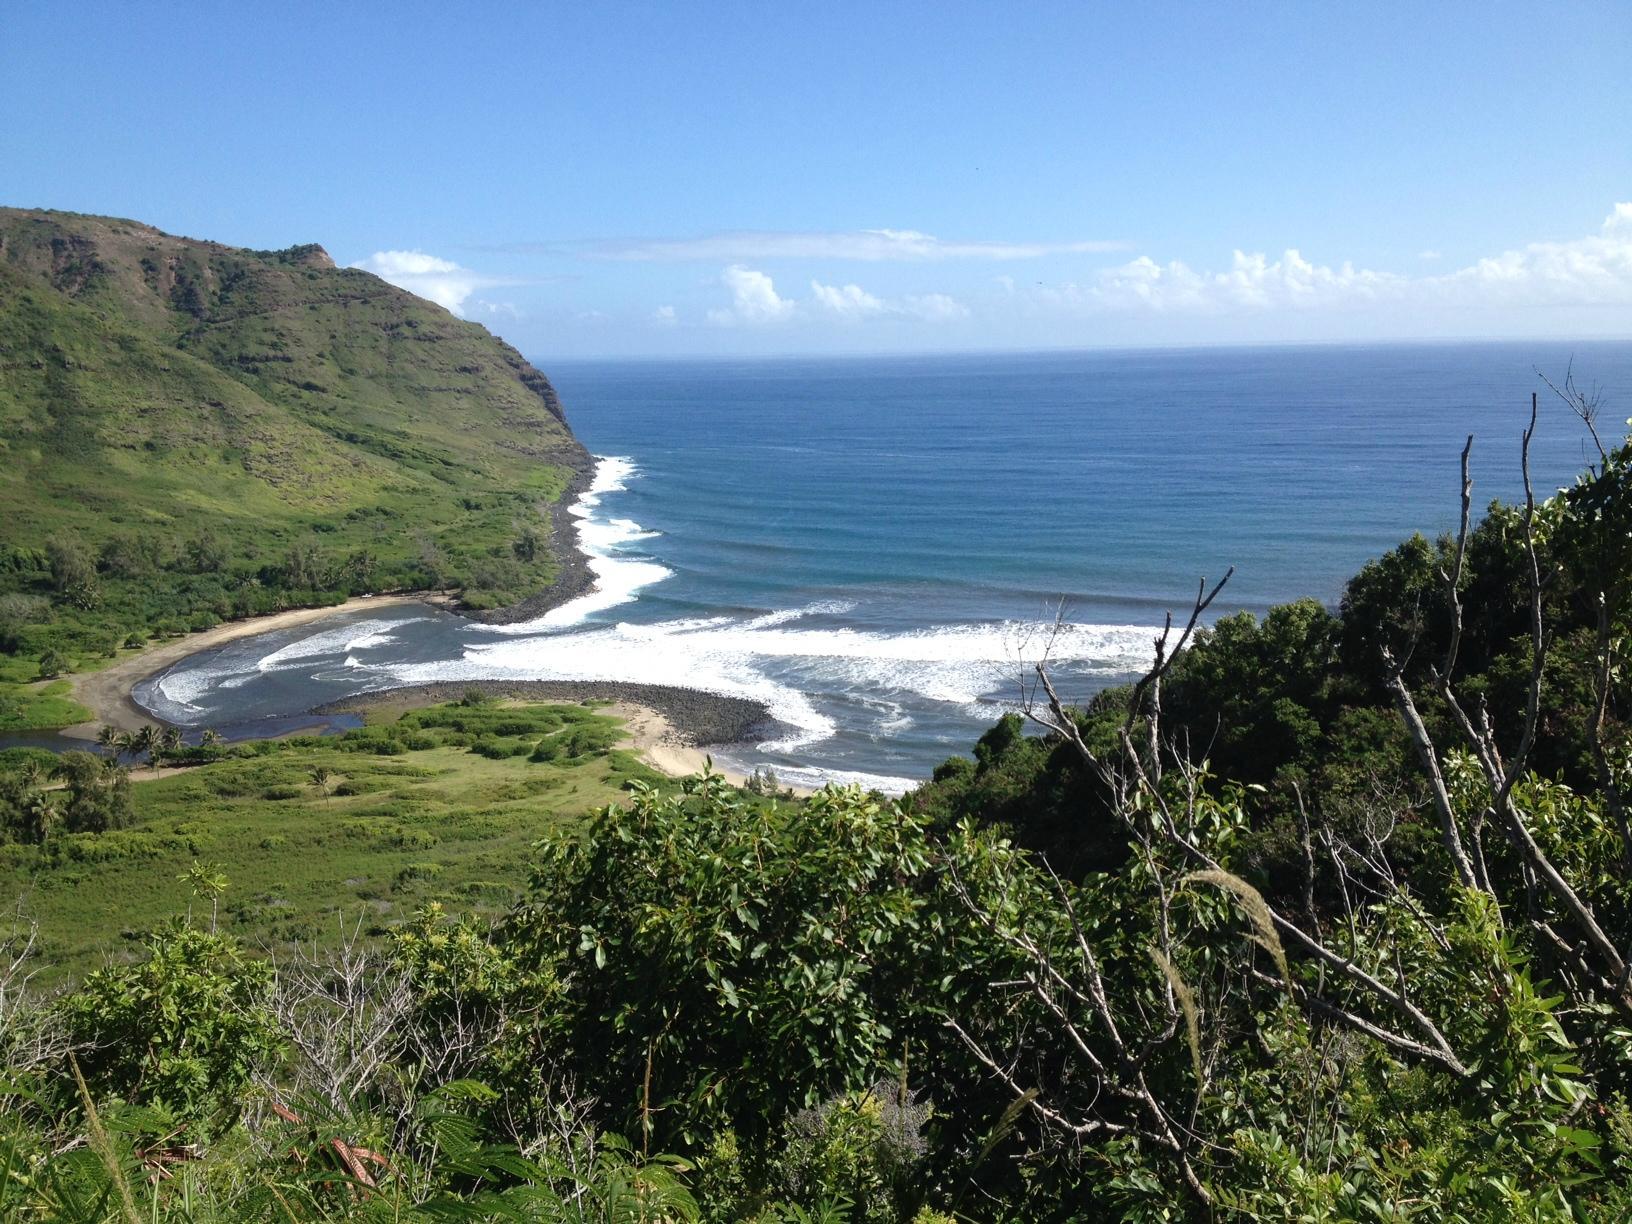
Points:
193	433
313	832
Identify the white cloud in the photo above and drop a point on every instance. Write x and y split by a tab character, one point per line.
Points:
934	307
1595	270
664	316
1251	281
851	301
869	246
854	302
754	299
437	280
1430	255
1591	271
482	306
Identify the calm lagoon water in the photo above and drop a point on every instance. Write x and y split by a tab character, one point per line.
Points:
875	547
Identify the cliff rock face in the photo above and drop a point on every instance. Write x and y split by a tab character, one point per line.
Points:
147	379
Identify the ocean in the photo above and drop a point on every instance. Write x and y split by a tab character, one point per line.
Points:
880	549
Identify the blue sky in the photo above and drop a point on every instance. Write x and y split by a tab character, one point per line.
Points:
621	179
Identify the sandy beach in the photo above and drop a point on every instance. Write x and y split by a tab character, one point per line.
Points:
667	749
106	693
671	728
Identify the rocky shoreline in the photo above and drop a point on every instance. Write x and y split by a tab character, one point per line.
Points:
699	719
572	579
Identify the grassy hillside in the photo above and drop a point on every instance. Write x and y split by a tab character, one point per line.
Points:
437	804
190	432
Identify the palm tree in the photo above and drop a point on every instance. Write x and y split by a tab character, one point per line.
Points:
107	738
147	740
209	738
41	815
170	739
320	777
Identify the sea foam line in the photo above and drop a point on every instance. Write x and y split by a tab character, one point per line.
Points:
618	577
342	640
728	654
955	664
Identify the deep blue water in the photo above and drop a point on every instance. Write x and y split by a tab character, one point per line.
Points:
870	545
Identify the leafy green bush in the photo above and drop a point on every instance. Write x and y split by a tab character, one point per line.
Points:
182	1030
415	873
752	929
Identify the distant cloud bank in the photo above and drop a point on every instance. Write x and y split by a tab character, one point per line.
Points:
1255	293
1595	270
1591	271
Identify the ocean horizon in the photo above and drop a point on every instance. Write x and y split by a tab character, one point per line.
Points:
879	549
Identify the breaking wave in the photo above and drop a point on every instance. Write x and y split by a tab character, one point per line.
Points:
605	542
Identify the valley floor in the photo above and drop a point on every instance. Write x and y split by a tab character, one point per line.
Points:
319	833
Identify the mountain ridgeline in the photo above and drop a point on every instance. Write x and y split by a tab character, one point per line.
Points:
190	430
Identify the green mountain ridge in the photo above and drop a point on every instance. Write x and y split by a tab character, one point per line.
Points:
225	431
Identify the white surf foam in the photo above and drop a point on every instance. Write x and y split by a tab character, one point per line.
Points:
826	607
618	578
370	641
180	690
359	635
801	775
957	664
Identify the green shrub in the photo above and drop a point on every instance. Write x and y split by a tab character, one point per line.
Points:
415	872
184	1030
574	743
17	760
124	846
411	839
863	1147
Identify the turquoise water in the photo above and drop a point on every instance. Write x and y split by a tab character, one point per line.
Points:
875	547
